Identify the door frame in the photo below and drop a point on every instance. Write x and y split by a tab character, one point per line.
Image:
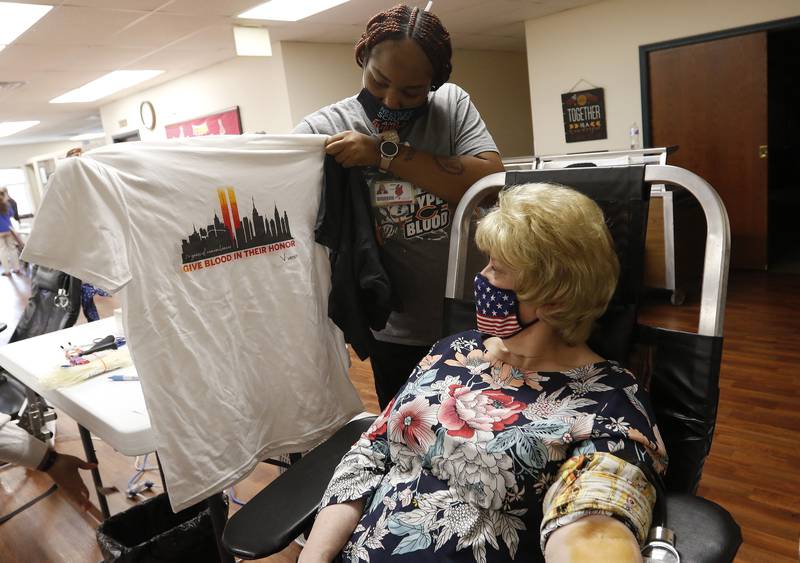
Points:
645	50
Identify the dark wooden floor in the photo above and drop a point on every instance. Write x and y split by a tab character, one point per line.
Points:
752	471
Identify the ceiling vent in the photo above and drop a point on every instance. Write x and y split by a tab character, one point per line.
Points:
8	86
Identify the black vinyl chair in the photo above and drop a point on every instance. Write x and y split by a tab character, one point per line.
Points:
680	369
42	314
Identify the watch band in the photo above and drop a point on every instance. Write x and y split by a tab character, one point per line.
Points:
388	150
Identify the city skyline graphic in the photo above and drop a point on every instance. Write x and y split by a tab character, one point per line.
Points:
232	233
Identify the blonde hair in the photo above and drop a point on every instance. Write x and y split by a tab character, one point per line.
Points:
557	243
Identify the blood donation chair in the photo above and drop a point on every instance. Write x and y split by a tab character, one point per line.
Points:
680	369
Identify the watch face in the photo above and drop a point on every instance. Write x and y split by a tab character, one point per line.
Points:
389	149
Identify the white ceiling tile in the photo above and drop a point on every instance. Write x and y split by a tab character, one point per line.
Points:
160	29
67	25
134	5
180	60
34	58
211	38
230	8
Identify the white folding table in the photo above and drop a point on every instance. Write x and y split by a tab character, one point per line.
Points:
111	410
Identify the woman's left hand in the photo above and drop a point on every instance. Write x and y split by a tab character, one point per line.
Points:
353	149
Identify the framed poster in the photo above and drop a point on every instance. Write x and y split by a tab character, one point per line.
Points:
225	122
584	115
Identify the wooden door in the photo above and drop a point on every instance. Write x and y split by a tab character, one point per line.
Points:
710	99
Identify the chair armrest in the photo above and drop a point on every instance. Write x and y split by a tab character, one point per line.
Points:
284	508
3	326
704	531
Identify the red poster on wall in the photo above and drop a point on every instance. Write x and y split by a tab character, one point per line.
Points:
226	122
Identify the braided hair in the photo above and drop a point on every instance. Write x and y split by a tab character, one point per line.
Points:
402	22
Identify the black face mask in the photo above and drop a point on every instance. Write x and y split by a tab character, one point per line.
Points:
386	119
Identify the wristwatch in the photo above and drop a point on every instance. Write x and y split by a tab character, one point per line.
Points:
389	149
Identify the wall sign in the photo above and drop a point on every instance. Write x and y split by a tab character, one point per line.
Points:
226	122
584	115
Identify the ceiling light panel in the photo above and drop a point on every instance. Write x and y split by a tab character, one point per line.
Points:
16	19
8	128
105	86
289	10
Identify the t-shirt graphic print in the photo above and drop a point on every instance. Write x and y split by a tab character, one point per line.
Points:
211	242
404	211
235	238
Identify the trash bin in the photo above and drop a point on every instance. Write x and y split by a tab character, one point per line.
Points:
151	532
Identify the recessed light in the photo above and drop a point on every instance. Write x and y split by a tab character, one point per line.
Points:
88	136
17	18
8	128
289	10
105	86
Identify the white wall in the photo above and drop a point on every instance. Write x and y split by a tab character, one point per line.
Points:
600	43
321	74
318	74
257	85
15	156
497	82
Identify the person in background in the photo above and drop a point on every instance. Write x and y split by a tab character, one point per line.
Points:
14	207
88	291
516	441
10	243
423	139
20	448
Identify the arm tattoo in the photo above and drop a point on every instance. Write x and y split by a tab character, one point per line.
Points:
450	164
410	154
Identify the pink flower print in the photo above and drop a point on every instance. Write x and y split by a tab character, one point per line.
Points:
465	411
379	426
412	424
474	362
505	376
429	361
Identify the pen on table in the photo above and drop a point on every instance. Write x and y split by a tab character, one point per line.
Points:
123	378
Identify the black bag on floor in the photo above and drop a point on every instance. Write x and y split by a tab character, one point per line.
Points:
151	532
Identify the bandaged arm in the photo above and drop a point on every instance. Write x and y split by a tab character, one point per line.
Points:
599	509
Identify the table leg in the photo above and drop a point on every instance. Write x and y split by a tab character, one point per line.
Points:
91	457
219	516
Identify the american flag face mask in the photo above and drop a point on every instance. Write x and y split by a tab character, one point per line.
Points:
497	309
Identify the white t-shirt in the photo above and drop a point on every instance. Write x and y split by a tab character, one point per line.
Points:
225	293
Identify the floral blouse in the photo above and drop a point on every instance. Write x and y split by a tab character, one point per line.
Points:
476	460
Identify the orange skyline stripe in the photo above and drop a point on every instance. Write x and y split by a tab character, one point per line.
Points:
226	218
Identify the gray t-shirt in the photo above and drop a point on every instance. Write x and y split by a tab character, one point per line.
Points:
413	224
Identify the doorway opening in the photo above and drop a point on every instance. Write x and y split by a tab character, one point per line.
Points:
783	78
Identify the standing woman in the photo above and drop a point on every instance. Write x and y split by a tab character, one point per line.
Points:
422	143
9	240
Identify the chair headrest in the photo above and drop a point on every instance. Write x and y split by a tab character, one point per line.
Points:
47	278
624	197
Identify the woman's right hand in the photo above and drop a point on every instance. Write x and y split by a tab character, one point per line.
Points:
353	149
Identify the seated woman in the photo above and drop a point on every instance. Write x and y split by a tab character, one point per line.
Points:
516	439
